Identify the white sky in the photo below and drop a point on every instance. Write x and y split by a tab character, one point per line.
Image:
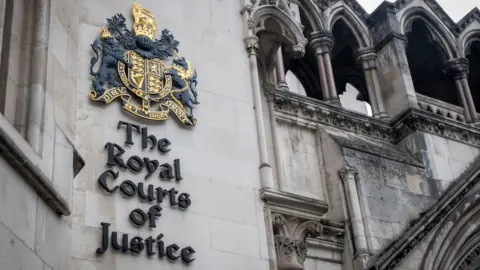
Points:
455	8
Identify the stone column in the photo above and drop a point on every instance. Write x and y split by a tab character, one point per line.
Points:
457	69
290	233
280	71
322	43
280	85
362	254
390	45
367	59
37	94
266	177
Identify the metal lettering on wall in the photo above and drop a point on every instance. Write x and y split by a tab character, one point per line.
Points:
148	75
149	194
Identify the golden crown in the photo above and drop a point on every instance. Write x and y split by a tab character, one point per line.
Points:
104	33
143	22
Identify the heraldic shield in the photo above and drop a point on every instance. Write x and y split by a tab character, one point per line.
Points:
148	75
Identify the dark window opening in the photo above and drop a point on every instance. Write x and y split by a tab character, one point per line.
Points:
427	61
345	69
473	57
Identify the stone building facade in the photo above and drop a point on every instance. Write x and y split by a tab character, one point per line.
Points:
326	137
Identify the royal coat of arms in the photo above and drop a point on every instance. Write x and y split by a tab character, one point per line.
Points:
147	74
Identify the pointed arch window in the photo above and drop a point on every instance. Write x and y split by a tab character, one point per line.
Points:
426	60
473	56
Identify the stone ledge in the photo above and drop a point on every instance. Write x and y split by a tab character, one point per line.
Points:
294	108
25	161
295	205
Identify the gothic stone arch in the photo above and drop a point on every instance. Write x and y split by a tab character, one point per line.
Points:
287	29
355	24
438	34
456	244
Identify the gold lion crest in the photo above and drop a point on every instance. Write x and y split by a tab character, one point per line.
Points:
147	74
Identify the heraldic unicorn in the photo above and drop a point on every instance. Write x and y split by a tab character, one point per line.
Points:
147	69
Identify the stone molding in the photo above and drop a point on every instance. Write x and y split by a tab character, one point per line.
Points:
438	107
471	16
290	234
294	204
319	112
333	233
384	150
293	107
418	120
260	10
455	28
471	258
420	228
353	4
444	251
26	162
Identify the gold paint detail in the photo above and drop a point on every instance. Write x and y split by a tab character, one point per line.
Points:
104	33
156	90
144	24
148	84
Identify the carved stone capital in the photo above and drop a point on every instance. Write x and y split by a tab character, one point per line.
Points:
366	58
321	42
457	68
290	233
252	44
347	173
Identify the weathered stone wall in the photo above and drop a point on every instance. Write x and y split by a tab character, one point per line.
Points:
391	195
444	159
302	164
34	236
219	157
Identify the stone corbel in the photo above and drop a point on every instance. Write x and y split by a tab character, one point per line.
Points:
290	234
252	45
